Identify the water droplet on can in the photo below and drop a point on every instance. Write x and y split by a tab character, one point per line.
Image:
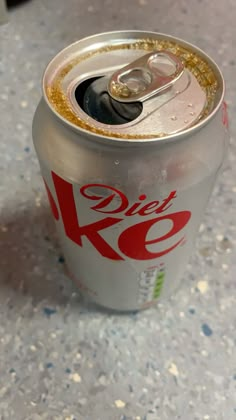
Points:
174	118
190	105
117	162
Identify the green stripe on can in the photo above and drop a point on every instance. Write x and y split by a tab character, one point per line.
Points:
159	284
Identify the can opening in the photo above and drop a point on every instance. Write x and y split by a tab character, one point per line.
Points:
93	97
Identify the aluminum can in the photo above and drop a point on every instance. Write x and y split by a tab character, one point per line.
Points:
130	134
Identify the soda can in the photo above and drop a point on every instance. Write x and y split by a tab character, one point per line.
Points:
130	135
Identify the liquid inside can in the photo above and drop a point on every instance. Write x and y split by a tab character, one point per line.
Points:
130	137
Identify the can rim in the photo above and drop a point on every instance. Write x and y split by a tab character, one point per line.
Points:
98	137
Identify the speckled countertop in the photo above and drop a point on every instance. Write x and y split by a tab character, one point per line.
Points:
61	359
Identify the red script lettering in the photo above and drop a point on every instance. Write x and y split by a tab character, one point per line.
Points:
132	241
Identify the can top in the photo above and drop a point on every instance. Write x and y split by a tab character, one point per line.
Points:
133	85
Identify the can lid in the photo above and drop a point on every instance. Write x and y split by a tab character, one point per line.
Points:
170	97
137	89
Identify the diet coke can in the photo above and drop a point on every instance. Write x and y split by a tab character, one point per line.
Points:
130	135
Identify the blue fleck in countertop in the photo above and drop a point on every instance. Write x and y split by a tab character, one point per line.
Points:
61	359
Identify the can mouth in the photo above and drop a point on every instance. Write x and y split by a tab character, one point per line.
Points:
93	98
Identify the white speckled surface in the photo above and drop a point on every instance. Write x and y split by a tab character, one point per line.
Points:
61	359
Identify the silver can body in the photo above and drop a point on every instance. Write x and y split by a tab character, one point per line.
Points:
127	211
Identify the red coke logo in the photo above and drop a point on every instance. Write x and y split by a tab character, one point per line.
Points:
134	240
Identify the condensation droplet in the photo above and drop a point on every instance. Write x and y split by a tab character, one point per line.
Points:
117	162
190	105
174	118
192	113
185	121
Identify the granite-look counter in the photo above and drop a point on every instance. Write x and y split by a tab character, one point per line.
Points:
61	358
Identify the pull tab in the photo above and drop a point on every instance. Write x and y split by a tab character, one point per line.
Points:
145	77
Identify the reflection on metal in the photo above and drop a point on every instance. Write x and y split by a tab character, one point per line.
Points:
145	77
